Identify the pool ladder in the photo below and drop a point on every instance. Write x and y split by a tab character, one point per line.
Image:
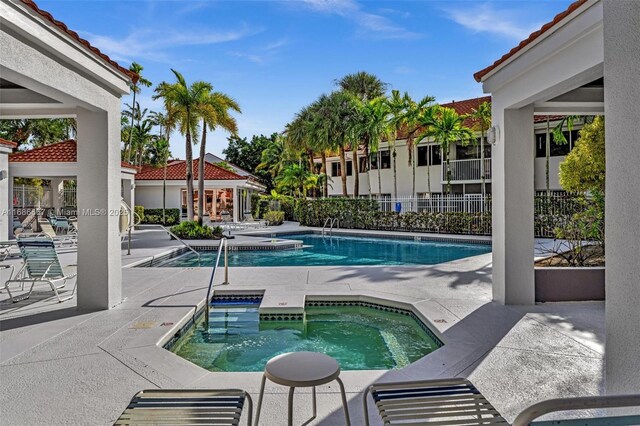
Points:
330	222
223	243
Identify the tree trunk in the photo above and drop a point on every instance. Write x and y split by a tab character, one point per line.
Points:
413	175
203	151
395	174
547	156
164	193
326	176
189	177
448	176
379	173
356	174
133	120
429	161
367	163
343	171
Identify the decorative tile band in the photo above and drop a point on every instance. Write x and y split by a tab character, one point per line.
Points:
249	299
385	308
250	247
282	317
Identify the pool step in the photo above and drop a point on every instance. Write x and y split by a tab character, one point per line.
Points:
234	320
276	305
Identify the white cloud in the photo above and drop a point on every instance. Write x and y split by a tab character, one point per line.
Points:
262	54
367	24
486	18
152	44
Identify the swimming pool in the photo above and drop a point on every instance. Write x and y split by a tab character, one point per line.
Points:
358	337
341	250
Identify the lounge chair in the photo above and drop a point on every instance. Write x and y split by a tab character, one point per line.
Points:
183	406
250	221
227	222
457	401
40	265
8	249
70	238
62	225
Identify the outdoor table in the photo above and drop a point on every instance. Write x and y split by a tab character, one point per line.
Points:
302	369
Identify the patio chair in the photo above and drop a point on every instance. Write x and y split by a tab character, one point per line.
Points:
227	221
8	249
62	224
70	238
250	221
184	406
40	265
457	401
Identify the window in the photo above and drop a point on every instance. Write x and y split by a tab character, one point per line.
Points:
349	167
429	155
362	165
556	149
385	159
374	160
335	169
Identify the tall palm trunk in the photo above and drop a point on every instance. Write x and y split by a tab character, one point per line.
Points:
379	173
367	163
395	174
189	177
164	193
203	152
343	171
325	187
133	121
356	174
448	175
429	161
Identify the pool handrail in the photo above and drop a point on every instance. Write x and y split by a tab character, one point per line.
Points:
223	242
331	222
194	251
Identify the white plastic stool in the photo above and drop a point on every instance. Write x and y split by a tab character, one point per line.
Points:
301	370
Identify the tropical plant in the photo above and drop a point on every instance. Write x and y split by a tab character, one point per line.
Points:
295	180
396	103
274	157
184	101
37	132
160	154
274	218
584	168
215	113
481	117
135	89
446	127
247	154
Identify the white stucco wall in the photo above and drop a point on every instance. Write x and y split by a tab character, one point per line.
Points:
539	173
6	226
150	197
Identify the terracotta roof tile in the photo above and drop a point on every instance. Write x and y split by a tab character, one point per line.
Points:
559	17
60	152
8	143
177	170
74	35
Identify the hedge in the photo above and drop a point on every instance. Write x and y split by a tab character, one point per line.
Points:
154	216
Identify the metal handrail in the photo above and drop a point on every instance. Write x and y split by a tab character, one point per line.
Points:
331	222
326	222
581	403
177	238
223	242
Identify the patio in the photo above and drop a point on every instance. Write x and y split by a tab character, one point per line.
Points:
97	360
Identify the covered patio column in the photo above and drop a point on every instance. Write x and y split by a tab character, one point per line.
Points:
621	94
512	192
99	262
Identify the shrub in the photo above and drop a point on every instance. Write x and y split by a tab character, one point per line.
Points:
274	218
190	230
138	213
154	216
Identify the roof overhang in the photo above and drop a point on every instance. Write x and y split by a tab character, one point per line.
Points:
53	169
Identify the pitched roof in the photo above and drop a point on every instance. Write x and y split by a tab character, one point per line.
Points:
8	143
177	170
557	19
74	35
59	152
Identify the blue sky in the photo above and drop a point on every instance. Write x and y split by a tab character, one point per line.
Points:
274	57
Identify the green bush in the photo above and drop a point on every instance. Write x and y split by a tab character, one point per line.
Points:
274	218
154	216
190	230
138	213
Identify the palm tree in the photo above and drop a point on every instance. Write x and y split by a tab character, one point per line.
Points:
424	121
295	179
396	104
160	154
410	121
135	88
183	101
364	87
275	157
300	138
446	127
482	121
215	113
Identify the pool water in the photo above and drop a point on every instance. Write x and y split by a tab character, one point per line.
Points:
359	338
321	250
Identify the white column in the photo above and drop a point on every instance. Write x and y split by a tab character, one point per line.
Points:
128	192
57	187
99	263
621	94
236	204
6	196
512	194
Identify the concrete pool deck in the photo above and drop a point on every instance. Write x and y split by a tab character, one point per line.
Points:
62	366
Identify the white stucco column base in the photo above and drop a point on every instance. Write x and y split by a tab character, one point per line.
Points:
512	192
99	262
622	91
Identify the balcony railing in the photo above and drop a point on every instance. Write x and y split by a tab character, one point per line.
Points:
467	170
